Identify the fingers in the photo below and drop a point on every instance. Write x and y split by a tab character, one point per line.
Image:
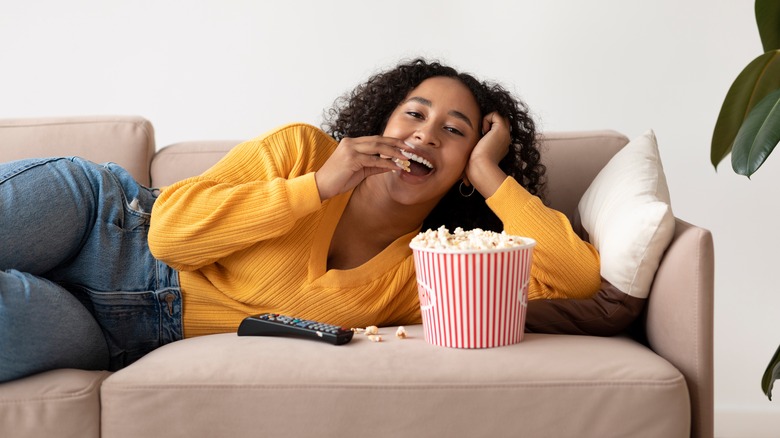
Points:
496	139
376	151
355	159
488	153
494	120
385	147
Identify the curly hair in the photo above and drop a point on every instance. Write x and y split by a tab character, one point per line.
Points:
366	109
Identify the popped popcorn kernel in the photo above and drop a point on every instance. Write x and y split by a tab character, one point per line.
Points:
372	330
375	338
401	332
477	238
403	164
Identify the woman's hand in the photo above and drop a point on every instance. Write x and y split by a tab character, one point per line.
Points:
482	168
354	160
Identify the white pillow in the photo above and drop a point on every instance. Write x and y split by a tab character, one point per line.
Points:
628	216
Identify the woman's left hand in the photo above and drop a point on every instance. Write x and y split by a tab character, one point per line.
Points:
482	168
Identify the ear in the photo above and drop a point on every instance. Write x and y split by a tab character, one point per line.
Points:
465	180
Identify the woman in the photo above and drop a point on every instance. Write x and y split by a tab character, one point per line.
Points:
296	221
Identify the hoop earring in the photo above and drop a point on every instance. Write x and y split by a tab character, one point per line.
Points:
465	195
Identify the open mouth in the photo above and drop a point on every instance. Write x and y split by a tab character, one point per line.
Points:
418	166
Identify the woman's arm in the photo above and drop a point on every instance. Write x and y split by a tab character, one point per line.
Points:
564	266
256	192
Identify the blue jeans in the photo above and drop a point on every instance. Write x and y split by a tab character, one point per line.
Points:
79	287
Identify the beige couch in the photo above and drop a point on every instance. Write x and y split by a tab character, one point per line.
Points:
657	382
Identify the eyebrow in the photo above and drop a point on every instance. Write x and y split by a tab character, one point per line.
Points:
454	113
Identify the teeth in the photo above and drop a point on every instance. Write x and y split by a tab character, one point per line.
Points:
418	159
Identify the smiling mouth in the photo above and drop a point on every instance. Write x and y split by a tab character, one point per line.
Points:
418	166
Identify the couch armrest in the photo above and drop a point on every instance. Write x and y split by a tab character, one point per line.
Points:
679	321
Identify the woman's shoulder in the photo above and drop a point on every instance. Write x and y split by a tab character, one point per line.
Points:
298	132
294	145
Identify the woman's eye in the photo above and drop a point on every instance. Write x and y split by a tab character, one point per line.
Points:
453	130
414	114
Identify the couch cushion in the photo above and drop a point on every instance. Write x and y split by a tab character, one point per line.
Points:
61	403
573	160
182	160
547	385
627	214
125	140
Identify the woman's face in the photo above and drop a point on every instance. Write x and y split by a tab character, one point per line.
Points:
439	122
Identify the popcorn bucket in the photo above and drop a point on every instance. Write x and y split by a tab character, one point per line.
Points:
473	298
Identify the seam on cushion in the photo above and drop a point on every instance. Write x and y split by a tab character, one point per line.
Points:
94	386
595	134
140	122
221	151
539	384
696	315
85	121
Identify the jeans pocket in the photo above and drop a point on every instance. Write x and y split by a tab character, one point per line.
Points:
134	323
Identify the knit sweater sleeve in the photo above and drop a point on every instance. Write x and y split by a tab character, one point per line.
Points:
564	266
256	192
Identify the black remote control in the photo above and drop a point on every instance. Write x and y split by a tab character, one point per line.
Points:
273	324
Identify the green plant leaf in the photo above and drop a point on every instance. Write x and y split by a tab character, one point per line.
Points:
758	135
768	20
771	374
757	79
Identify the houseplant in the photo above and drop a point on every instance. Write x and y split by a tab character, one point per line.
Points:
748	126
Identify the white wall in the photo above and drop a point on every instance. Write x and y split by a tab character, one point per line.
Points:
233	69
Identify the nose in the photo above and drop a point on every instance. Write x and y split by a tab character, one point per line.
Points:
427	134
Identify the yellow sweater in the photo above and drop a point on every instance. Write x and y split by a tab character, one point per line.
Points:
250	235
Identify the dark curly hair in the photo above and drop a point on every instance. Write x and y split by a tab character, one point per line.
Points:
366	109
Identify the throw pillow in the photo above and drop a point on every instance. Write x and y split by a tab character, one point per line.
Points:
627	214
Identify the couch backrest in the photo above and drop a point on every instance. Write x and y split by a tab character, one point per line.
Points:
573	160
183	160
125	140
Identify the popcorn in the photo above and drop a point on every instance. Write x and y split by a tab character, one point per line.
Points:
403	164
372	333
466	240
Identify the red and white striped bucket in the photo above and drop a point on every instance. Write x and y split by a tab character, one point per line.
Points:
474	298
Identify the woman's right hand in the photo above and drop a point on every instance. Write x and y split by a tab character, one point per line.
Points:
354	160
